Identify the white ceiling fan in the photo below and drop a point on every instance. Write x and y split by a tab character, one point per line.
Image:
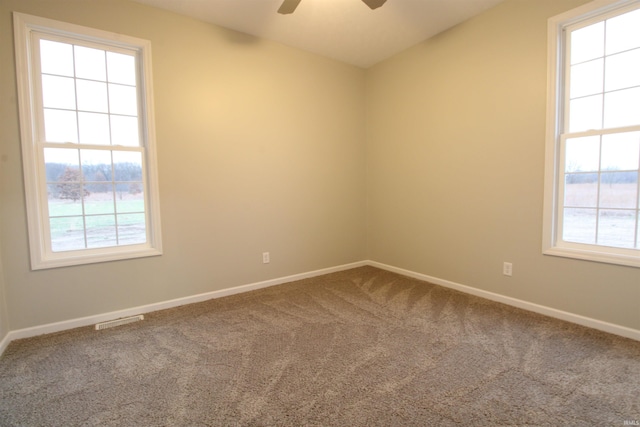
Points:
288	6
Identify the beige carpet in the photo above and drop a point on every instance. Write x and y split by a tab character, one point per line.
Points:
362	347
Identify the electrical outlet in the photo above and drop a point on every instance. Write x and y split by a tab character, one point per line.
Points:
507	269
266	259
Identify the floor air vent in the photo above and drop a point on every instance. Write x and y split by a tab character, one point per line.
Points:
118	322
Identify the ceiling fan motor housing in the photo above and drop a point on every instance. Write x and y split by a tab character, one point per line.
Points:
289	6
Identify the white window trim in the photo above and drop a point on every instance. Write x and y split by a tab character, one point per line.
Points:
41	257
555	113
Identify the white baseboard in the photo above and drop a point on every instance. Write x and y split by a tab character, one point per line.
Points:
525	305
104	317
4	343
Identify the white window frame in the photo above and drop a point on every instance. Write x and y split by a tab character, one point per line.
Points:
556	95
42	256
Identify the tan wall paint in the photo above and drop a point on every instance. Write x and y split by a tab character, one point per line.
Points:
454	158
260	148
4	317
456	137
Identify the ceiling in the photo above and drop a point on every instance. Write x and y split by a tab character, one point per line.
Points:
345	30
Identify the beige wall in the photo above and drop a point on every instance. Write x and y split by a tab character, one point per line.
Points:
4	318
456	131
260	147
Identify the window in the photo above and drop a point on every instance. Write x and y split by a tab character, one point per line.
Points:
88	143
592	194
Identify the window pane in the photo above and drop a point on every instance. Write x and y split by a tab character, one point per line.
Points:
62	158
123	100
127	165
97	173
96	165
623	32
94	128
92	96
59	206
99	199
621	151
132	229
623	70
587	78
60	126
67	234
579	225
56	58
124	131
616	228
101	231
619	189
130	198
54	171
585	113
58	92
622	108
90	63
582	154
121	68
587	43
69	188
581	190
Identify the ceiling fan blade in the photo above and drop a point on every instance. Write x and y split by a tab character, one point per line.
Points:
374	4
288	6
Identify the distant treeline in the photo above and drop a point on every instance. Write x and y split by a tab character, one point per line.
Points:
605	178
126	176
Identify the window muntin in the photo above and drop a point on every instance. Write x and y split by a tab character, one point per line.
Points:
594	192
87	122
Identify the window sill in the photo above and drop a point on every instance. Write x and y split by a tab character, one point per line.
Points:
72	258
595	256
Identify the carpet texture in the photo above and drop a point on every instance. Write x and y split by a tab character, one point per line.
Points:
363	347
